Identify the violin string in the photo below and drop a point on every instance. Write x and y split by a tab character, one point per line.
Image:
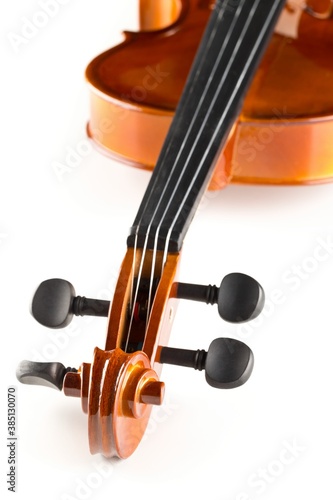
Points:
211	106
193	121
151	281
198	109
134	299
206	89
139	277
133	271
243	74
198	73
183	172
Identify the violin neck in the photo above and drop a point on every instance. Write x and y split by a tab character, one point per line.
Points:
231	48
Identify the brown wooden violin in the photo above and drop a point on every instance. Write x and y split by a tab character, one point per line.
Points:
283	134
120	385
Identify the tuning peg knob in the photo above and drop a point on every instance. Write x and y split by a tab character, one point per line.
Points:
46	374
55	303
240	298
227	364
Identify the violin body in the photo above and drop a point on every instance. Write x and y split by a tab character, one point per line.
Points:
284	131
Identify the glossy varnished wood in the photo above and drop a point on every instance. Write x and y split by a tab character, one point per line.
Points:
118	389
118	318
285	128
121	386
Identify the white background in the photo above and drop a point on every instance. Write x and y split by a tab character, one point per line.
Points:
270	439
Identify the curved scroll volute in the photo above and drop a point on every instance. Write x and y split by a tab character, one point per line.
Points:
122	383
123	389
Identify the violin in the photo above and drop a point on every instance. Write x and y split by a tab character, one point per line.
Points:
122	383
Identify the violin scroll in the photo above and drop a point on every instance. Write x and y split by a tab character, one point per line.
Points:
119	388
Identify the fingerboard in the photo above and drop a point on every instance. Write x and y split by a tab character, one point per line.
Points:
231	48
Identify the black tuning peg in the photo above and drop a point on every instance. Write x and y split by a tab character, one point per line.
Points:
55	303
239	298
227	364
46	374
